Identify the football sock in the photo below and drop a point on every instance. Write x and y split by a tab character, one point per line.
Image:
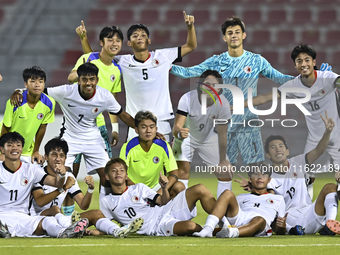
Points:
224	222
205	232
68	210
106	226
331	206
211	222
185	182
222	186
63	220
51	226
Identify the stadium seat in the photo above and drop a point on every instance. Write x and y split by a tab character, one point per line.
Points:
149	17
1	15
123	16
333	37
174	17
302	17
195	58
98	17
336	60
211	37
70	57
260	37
310	37
59	77
201	16
321	57
222	15
160	37
251	16
272	57
327	17
285	37
276	17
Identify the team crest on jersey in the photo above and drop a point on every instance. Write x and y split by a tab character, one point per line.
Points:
155	62
112	77
134	199
322	92
40	116
24	182
155	160
94	110
247	69
212	117
294	176
270	201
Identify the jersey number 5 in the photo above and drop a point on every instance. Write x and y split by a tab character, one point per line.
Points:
145	74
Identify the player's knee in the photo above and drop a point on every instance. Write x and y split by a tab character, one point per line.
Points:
192	226
225	195
259	222
178	187
54	210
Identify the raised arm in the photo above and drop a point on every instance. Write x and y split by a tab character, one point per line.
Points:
85	201
165	197
81	32
323	143
191	39
127	119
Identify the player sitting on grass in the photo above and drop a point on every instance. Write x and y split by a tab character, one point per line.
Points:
127	203
30	119
195	131
290	181
17	180
256	214
146	156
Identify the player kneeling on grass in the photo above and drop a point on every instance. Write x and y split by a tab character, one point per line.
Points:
251	214
17	180
127	203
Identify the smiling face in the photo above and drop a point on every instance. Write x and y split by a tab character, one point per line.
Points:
304	64
234	36
259	180
87	84
117	174
35	86
277	152
111	46
139	40
12	150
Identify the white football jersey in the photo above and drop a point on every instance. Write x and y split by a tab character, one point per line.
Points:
58	201
147	83
16	187
293	184
132	204
80	115
324	96
269	206
202	126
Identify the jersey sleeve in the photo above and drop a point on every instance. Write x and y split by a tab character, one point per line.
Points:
49	117
183	105
288	84
147	193
105	208
195	71
39	174
273	74
58	93
171	53
112	106
170	164
8	115
80	61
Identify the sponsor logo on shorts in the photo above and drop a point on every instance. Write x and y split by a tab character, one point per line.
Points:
40	116
155	160
24	182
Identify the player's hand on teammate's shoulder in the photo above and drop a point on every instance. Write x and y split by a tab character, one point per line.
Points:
244	183
89	181
81	30
37	157
329	123
189	19
115	138
16	98
184	133
69	183
163	180
160	136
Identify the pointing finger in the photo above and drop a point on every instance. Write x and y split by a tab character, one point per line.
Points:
82	24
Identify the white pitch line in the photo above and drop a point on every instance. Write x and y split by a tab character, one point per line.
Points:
217	245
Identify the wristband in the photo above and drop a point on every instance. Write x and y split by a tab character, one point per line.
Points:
62	176
179	135
115	127
90	190
61	190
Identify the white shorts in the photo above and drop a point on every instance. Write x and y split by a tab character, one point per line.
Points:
163	127
208	151
307	218
95	155
20	224
174	211
243	218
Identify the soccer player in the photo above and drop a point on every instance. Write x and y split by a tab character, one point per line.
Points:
146	156
289	180
249	214
195	131
81	103
17	179
111	38
146	74
324	96
30	119
127	203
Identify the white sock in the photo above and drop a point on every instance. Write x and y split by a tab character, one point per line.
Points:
63	220
211	222
106	226
185	182
331	206
222	186
224	222
310	190
51	226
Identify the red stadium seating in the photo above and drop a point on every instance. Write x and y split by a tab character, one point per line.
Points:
98	17
222	15
251	17
333	37
194	58
174	17
285	37
160	37
70	57
327	17
149	17
272	57
260	37
211	37
302	17
276	17
201	17
310	37
123	16
1	15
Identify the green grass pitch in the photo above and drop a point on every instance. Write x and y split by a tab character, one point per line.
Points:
137	244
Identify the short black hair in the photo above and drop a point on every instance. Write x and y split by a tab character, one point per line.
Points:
56	143
13	137
262	166
34	72
135	27
111	31
144	115
272	138
303	48
231	22
114	161
87	69
214	73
